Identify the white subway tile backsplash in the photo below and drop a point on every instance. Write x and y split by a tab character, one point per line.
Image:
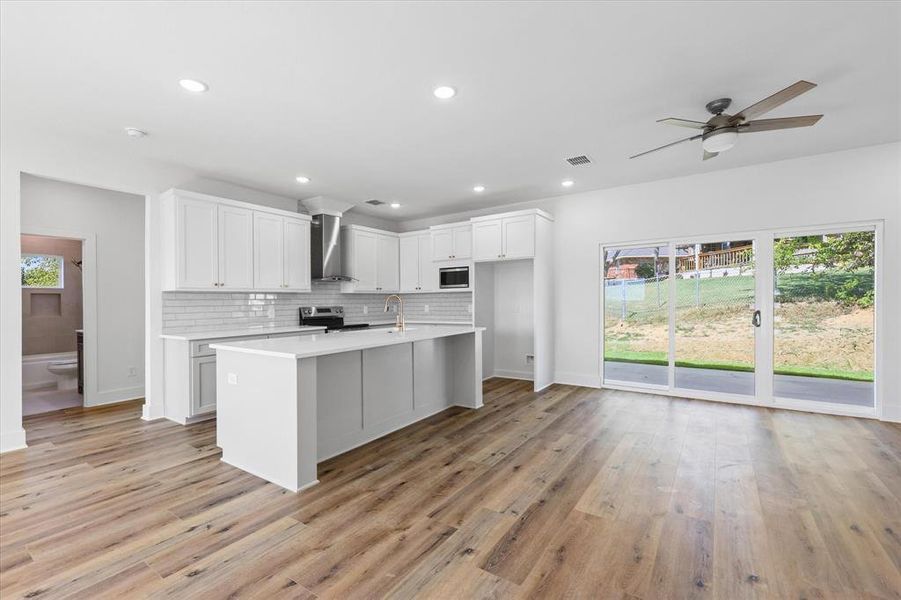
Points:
201	311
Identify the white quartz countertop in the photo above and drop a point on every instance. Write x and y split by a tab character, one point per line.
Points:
345	341
193	336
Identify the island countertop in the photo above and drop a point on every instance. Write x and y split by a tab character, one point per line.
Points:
345	341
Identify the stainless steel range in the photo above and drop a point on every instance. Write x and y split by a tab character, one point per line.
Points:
330	317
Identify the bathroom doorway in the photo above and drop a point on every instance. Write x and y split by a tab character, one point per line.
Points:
52	323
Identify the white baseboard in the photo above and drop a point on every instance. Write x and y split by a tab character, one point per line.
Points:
891	414
510	374
12	440
115	396
580	379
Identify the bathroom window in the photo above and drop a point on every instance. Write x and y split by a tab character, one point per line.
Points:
42	271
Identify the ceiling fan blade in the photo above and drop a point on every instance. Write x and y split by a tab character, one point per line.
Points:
777	99
683	122
688	139
784	123
708	155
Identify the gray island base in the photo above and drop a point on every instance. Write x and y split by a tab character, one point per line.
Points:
283	405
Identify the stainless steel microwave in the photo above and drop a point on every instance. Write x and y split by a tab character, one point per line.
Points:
456	277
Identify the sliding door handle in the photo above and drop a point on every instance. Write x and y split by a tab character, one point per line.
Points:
755	320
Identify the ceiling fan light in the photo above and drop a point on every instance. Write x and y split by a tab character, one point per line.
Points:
720	140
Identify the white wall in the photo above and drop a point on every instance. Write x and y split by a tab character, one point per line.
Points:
854	185
114	223
483	313
513	314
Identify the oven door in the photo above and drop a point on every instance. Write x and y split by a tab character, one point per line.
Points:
453	278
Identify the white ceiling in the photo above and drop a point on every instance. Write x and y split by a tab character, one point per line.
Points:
341	92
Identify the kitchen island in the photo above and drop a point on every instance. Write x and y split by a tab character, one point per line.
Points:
286	404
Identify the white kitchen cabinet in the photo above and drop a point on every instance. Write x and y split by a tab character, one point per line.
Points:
387	278
504	237
281	253
418	272
487	240
211	243
235	247
203	385
268	251
452	241
371	257
197	243
297	254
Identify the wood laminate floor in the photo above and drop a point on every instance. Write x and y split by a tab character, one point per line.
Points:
573	492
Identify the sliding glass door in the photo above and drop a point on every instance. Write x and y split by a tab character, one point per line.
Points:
714	317
824	317
773	318
636	314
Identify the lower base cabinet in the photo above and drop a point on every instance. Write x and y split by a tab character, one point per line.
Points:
191	376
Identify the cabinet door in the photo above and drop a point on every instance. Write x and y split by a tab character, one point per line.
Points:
487	240
428	270
409	263
297	254
203	384
268	251
387	277
235	247
197	243
365	248
462	242
442	244
519	237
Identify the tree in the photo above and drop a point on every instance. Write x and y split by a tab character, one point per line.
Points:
41	271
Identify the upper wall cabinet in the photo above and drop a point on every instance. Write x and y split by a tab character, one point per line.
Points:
371	257
281	252
452	241
508	236
211	243
417	271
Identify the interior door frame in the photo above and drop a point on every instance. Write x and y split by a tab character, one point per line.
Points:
764	338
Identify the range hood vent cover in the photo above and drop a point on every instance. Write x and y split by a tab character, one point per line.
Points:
325	249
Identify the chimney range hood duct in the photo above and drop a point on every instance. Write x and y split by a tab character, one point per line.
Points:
325	238
325	249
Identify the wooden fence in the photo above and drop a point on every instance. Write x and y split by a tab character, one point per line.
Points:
717	259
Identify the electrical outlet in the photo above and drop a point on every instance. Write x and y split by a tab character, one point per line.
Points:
530	358
232	379
132	372
365	310
426	309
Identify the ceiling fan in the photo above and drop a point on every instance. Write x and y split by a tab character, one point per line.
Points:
720	132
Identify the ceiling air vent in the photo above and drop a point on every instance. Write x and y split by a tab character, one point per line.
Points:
374	202
578	161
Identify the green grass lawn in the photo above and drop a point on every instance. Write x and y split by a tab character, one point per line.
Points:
660	358
737	290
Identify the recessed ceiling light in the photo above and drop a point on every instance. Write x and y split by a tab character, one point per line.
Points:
394	205
479	189
193	85
567	183
444	92
135	132
302	179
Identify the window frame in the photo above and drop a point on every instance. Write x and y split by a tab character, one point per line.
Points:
62	271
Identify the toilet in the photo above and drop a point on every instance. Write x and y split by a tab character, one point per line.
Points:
65	372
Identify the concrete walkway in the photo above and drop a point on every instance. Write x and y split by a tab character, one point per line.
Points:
834	391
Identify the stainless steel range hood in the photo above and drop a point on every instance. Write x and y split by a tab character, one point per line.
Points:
325	249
